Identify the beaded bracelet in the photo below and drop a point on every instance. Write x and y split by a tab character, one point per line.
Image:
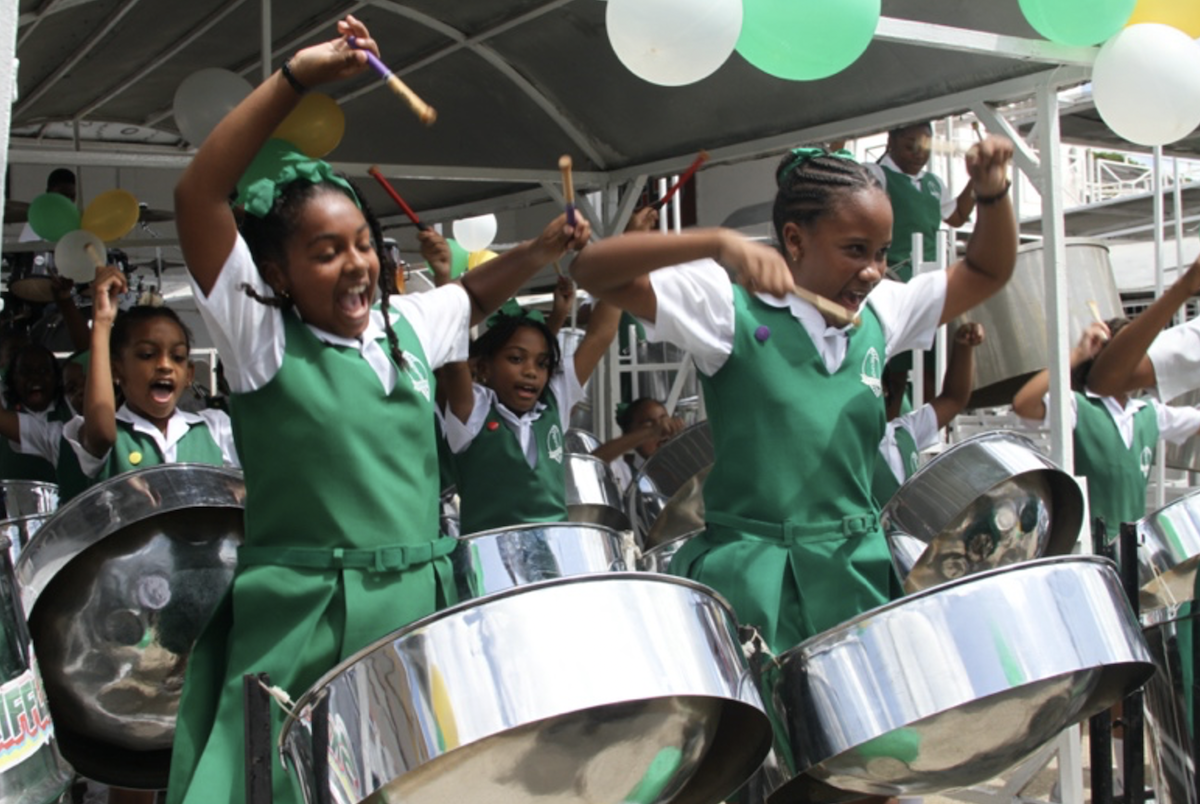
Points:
985	200
291	78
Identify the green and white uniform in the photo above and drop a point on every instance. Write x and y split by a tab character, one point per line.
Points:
24	462
1114	449
342	546
907	436
797	415
511	468
919	204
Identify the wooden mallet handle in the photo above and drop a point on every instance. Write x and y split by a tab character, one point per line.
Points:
97	260
840	315
387	186
424	112
564	165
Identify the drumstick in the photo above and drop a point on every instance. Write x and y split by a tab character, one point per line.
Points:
837	312
412	216
97	260
687	174
1095	308
564	164
424	112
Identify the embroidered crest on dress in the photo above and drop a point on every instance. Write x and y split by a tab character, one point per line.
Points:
554	444
872	371
418	375
1147	459
914	463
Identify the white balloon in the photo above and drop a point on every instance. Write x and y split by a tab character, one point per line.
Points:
71	258
673	42
475	234
204	98
1146	84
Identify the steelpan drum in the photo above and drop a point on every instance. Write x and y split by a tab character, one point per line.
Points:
953	685
665	474
1017	344
1170	707
658	559
592	493
32	770
580	442
595	689
27	498
118	584
989	501
19	532
1168	554
496	560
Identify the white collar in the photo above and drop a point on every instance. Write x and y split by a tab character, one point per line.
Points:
528	417
371	334
177	426
806	313
1132	406
890	164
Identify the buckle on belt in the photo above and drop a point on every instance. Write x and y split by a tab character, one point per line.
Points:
859	525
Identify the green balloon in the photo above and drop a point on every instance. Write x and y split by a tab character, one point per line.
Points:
458	258
1077	22
52	215
805	40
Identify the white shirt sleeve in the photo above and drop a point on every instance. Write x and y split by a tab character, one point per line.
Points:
221	427
567	391
459	435
1176	424
88	462
694	311
949	201
909	312
922	424
40	436
1175	354
442	320
247	333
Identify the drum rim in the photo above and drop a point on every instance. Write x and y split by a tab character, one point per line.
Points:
531	526
315	690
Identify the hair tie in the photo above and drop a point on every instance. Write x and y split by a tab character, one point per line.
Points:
512	309
802	156
278	164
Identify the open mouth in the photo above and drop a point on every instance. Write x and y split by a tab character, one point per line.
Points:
162	392
355	301
852	300
527	393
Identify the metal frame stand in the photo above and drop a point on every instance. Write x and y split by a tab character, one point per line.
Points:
257	707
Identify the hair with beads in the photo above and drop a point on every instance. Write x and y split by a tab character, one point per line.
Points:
267	238
490	343
1079	374
809	188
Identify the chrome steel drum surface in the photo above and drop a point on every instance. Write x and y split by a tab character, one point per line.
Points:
496	560
580	442
19	532
592	493
659	558
27	498
1171	742
1169	554
602	688
951	686
1015	318
989	501
118	584
664	474
32	770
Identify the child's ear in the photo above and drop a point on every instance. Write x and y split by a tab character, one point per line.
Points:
275	276
191	372
793	241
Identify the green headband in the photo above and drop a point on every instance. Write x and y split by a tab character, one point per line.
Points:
278	164
802	156
511	309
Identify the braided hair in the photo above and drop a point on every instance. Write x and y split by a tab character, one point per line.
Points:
489	344
267	239
811	188
126	320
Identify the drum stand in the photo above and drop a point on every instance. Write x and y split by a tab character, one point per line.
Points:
257	705
1101	725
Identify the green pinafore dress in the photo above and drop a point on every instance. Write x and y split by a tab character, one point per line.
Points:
793	539
496	485
884	484
134	450
913	210
16	465
341	545
1117	475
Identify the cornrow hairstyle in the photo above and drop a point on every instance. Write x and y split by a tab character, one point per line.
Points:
489	344
813	187
10	385
625	416
127	320
1079	374
267	238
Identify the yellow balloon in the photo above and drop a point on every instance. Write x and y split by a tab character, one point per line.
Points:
477	258
315	126
111	215
1181	14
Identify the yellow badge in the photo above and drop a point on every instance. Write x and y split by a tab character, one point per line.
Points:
135	458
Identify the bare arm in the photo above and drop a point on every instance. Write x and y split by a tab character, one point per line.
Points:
609	451
602	328
563	292
459	389
205	223
960	375
964	205
99	431
10	425
992	249
1124	366
436	252
1030	401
